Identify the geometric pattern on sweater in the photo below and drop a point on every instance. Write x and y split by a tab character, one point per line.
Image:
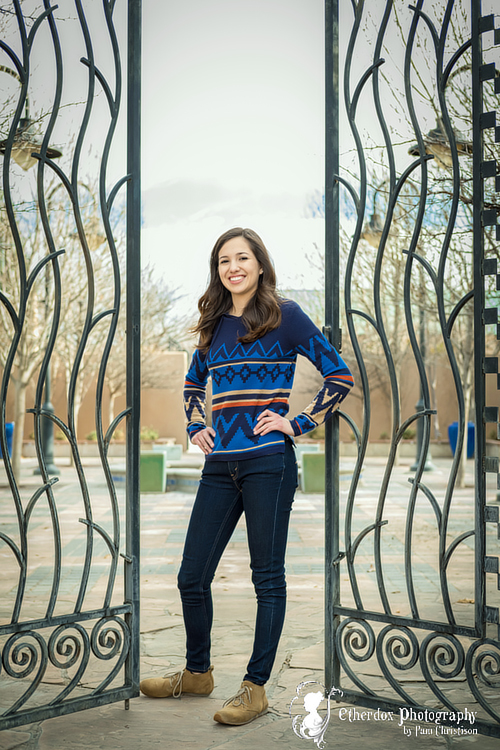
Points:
243	373
249	378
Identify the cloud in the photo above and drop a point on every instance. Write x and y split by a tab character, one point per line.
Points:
179	200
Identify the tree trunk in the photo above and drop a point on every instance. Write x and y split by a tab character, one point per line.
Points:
77	405
432	386
397	454
467	386
111	407
19	416
463	458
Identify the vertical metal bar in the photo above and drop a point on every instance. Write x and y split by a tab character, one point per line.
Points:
133	266
332	579
479	303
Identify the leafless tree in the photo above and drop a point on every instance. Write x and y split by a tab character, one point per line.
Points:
162	330
22	348
435	241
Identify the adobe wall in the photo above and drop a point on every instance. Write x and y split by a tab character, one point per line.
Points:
162	409
307	382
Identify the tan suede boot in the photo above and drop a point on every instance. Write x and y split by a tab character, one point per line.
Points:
248	704
172	685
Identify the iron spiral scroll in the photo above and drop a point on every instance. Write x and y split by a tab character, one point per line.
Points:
405	642
65	644
441	657
27	655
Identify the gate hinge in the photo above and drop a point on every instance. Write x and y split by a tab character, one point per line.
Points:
490	316
486	23
337	559
491	413
327	332
490	365
491	513
491	564
490	614
490	464
489	266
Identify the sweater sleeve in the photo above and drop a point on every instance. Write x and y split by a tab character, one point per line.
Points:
338	380
195	394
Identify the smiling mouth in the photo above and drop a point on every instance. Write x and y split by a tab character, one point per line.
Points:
236	279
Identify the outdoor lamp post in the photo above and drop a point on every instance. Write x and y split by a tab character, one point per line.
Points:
46	423
372	233
420	405
47	430
436	143
26	139
25	142
372	230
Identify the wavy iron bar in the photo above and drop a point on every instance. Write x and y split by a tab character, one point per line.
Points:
432	647
93	632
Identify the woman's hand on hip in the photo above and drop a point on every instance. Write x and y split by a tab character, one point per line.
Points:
268	421
204	439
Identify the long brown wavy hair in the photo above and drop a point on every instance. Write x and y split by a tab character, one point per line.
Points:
263	311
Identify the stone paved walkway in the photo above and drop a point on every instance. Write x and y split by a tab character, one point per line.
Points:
188	722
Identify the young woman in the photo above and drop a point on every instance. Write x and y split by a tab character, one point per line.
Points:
248	345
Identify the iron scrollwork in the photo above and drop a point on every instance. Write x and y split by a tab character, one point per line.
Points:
433	666
390	204
29	654
83	636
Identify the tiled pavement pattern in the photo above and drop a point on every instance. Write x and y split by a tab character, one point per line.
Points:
188	722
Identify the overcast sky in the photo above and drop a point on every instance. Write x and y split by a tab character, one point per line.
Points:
233	120
233	131
233	125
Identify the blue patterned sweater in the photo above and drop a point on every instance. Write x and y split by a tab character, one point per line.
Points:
249	378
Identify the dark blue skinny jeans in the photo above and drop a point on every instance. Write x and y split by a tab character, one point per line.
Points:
263	488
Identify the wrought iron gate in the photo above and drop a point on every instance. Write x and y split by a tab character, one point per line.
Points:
69	629
419	266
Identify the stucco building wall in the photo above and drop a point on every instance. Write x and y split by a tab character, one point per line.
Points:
162	408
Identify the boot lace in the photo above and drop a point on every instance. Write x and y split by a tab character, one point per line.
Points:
176	682
238	698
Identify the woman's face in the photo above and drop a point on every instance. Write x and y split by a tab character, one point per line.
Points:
239	270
